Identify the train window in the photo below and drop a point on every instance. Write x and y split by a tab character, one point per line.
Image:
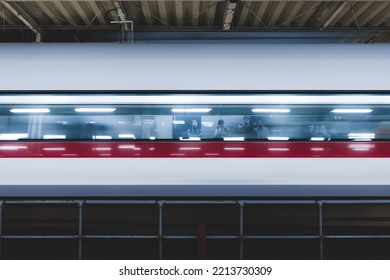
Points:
201	122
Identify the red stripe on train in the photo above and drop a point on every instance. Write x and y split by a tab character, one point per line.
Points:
194	149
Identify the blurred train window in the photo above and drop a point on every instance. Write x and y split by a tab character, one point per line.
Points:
131	122
356	219
16	127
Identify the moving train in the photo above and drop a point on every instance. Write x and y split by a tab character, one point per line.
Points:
194	120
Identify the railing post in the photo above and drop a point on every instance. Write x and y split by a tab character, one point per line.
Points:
321	233
241	203
160	229
80	252
1	224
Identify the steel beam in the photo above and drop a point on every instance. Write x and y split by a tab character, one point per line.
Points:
125	0
203	1
121	14
5	18
287	0
25	18
229	14
334	15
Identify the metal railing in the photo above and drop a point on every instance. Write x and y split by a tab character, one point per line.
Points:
161	205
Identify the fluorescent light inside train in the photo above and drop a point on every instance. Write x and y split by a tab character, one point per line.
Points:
352	111
13	136
191	110
278	138
270	110
30	110
233	139
190	139
317	139
361	136
95	110
128	136
54	136
103	137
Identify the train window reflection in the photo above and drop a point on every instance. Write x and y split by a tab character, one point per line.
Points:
208	122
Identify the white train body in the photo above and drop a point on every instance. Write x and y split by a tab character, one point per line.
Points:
216	76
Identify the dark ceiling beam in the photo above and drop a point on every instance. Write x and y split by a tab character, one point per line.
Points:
196	12
122	0
211	15
384	18
64	12
49	13
276	14
357	10
179	13
373	11
298	0
98	12
147	13
246	32
80	11
25	18
203	0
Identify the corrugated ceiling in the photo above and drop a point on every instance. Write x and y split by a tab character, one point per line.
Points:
60	20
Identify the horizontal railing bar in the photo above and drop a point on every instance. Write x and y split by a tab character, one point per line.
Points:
41	201
121	202
282	237
40	236
121	236
279	201
355	236
200	201
367	201
196	237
